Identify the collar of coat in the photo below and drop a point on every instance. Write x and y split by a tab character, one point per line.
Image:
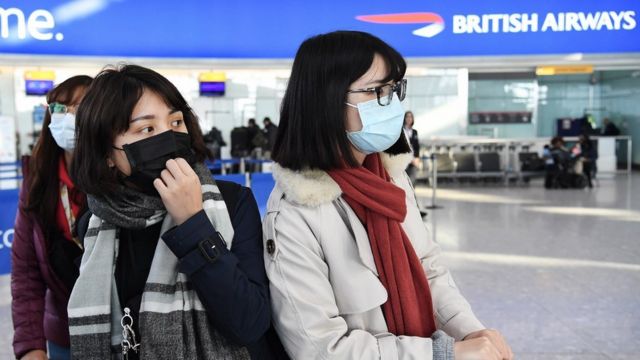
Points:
315	187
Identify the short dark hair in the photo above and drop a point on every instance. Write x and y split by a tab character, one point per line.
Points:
105	113
311	132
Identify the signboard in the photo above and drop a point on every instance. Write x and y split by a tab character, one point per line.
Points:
564	70
7	139
268	29
500	117
9	206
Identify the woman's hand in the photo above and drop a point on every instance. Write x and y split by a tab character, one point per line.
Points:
480	348
180	190
35	355
495	339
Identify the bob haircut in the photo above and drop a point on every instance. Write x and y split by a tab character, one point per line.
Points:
312	131
105	112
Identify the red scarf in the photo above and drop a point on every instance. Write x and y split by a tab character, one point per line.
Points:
381	207
76	200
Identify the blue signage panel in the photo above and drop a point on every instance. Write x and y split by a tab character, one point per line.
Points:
8	208
275	29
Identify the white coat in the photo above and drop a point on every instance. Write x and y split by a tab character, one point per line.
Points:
325	292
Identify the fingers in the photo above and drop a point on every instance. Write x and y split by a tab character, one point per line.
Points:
185	167
175	168
499	342
168	178
490	349
160	186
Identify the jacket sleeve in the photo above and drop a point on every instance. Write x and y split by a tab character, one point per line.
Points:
27	286
233	287
306	315
453	313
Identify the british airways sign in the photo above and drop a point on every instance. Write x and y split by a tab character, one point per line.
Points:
265	29
551	22
510	23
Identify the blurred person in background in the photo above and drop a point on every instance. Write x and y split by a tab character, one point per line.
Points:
609	128
270	132
412	136
589	154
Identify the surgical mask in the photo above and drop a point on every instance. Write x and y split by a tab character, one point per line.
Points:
148	157
381	125
63	130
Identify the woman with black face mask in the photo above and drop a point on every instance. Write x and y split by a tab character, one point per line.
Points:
172	267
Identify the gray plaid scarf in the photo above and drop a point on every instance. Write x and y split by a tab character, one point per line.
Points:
173	324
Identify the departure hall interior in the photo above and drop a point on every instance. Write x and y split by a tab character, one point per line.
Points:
526	118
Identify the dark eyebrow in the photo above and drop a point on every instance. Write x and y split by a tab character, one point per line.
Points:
145	117
374	82
377	82
151	117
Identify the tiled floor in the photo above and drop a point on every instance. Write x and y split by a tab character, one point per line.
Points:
558	272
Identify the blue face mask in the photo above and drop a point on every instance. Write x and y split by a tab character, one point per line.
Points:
381	125
63	130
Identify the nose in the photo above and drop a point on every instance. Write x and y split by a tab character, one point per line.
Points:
162	127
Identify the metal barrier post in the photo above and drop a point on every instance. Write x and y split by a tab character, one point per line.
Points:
629	155
434	182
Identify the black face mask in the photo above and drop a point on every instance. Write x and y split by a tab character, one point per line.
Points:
148	157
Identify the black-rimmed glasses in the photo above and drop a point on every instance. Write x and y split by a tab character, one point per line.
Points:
384	93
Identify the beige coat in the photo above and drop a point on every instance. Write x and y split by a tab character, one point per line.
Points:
325	291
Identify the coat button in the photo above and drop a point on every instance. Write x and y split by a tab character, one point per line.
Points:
271	246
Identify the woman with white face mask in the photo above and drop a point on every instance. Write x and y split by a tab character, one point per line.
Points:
44	243
353	272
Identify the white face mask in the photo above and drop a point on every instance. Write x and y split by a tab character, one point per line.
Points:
381	125
63	130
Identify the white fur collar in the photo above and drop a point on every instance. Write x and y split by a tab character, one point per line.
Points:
315	187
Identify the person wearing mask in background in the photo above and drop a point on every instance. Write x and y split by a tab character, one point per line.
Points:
353	271
609	128
412	136
172	267
44	244
270	132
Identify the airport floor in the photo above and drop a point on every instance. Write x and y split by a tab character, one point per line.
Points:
556	271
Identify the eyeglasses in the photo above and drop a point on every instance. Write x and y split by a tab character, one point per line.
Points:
384	93
57	108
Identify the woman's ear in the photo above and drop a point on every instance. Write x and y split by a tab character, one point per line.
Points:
110	162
